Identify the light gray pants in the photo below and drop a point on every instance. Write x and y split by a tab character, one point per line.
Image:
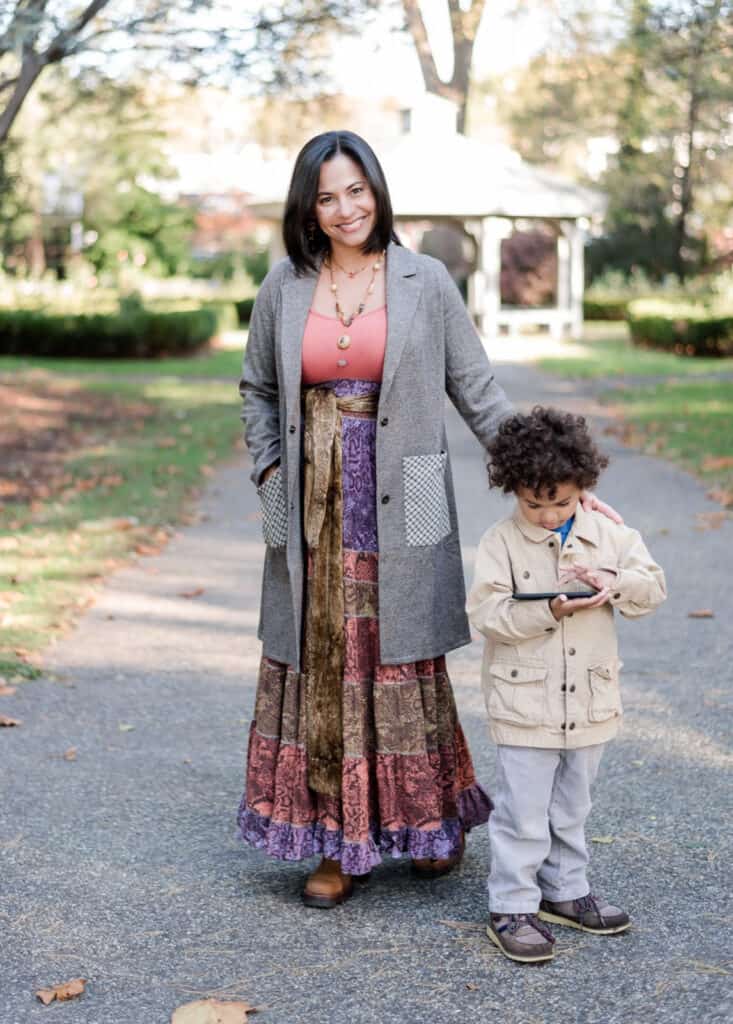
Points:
536	830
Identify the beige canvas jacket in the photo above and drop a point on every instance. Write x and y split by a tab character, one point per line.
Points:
548	683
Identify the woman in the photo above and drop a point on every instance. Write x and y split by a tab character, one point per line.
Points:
355	749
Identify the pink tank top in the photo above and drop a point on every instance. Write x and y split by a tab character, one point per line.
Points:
361	359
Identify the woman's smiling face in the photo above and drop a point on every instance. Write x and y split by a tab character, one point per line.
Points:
345	205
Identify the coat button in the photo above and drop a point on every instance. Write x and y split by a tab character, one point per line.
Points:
616	597
514	673
551	544
571	650
291	429
572	725
384	421
562	726
525	575
385	499
563	688
572	688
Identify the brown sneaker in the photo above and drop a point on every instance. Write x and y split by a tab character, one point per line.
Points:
431	867
589	914
327	886
521	937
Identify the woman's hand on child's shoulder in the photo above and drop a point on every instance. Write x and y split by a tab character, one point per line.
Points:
591	503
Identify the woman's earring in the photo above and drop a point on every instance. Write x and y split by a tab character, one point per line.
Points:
311	232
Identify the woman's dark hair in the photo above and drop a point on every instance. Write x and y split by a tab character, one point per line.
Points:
543	449
304	240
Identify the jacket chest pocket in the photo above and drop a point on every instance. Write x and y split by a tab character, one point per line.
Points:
274	507
605	696
427	517
517	693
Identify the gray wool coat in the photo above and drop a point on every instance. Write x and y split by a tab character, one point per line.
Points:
432	349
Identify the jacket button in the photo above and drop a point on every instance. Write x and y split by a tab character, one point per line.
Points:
616	597
549	629
384	421
291	429
551	544
572	725
562	726
525	575
571	650
385	499
572	688
563	688
514	673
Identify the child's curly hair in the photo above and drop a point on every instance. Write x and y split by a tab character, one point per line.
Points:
543	449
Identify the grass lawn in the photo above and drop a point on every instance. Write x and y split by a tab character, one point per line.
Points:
94	471
221	362
688	421
606	351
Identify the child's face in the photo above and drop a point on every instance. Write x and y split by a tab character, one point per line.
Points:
542	510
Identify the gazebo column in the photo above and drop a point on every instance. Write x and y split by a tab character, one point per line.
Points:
276	245
557	327
487	286
577	279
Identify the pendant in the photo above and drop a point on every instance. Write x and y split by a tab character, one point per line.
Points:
342	362
347	322
344	341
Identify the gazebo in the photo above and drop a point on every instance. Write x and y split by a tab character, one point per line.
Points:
483	189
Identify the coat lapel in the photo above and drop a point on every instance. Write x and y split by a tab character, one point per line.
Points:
404	285
297	297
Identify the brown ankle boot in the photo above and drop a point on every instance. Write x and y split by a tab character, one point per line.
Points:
327	886
430	867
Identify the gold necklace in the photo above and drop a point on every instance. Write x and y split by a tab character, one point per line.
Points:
344	341
349	273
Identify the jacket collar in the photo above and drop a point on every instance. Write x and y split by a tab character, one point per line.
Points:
585	526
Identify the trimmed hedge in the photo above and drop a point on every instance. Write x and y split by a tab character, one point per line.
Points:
686	330
132	334
244	310
604	308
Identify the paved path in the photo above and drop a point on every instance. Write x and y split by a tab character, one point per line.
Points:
123	866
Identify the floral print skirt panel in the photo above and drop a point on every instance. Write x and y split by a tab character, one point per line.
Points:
408	783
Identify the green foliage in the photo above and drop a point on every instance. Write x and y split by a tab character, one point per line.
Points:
244	310
683	328
133	333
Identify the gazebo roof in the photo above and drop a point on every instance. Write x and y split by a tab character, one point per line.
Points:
447	175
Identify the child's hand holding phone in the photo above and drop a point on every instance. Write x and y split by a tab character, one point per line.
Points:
561	606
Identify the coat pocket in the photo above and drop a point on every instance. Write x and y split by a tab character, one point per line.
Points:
427	517
517	693
274	507
605	695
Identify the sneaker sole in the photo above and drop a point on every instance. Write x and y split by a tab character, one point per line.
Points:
514	956
567	922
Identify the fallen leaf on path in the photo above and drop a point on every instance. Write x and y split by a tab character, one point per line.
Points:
66	990
471	987
701	613
110	523
605	840
192	593
722	496
125	727
713	462
637	764
710	520
146	549
70	754
213	1011
7	691
6	722
166	442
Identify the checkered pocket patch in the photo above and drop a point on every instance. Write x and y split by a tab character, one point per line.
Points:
427	519
274	510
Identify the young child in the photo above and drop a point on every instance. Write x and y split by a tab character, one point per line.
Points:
550	674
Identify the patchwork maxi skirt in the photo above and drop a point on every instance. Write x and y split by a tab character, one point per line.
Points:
408	786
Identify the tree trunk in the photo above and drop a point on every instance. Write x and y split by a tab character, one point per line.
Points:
31	68
686	192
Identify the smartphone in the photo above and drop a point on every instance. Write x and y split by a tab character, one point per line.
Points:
570	594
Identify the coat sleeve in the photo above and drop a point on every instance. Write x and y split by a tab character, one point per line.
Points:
469	380
491	608
259	386
640	586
